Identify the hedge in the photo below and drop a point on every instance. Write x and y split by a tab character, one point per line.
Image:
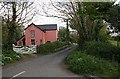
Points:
50	47
102	50
81	63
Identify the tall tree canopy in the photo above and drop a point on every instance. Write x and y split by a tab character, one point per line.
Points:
114	17
85	17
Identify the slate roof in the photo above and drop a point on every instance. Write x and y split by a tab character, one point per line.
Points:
45	27
48	27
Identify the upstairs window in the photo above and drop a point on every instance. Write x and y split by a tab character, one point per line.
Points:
32	33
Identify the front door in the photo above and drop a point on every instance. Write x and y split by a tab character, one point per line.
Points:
32	41
23	42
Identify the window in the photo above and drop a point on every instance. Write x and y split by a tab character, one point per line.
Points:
32	33
32	41
40	41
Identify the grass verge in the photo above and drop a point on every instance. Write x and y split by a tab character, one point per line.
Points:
85	64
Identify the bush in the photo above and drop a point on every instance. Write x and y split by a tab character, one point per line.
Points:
102	50
50	47
9	56
81	63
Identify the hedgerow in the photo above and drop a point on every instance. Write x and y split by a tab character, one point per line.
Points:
102	50
81	63
51	47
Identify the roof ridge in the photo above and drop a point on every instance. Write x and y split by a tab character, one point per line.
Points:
45	26
48	26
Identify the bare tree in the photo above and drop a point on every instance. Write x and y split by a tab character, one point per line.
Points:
20	12
80	17
15	15
68	11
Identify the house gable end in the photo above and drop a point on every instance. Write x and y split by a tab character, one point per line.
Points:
34	25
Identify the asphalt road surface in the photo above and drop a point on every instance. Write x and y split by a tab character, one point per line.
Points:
44	66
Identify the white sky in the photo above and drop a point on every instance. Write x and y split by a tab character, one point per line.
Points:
38	19
118	1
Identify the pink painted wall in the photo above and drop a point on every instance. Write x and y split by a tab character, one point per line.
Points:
19	42
38	35
51	35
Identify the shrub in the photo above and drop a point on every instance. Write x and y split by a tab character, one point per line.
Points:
49	47
102	50
81	63
9	56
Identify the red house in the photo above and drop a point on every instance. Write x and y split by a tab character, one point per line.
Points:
38	34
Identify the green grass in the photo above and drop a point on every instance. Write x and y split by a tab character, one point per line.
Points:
26	56
81	63
113	42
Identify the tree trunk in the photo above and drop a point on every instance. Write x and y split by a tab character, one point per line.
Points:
67	33
12	27
81	40
14	11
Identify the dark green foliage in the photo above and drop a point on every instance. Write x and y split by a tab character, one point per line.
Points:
114	16
102	50
81	63
9	56
97	10
73	38
50	47
10	34
95	58
88	20
64	34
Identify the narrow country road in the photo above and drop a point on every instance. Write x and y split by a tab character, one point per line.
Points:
45	66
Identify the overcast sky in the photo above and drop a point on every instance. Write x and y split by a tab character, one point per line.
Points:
38	19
